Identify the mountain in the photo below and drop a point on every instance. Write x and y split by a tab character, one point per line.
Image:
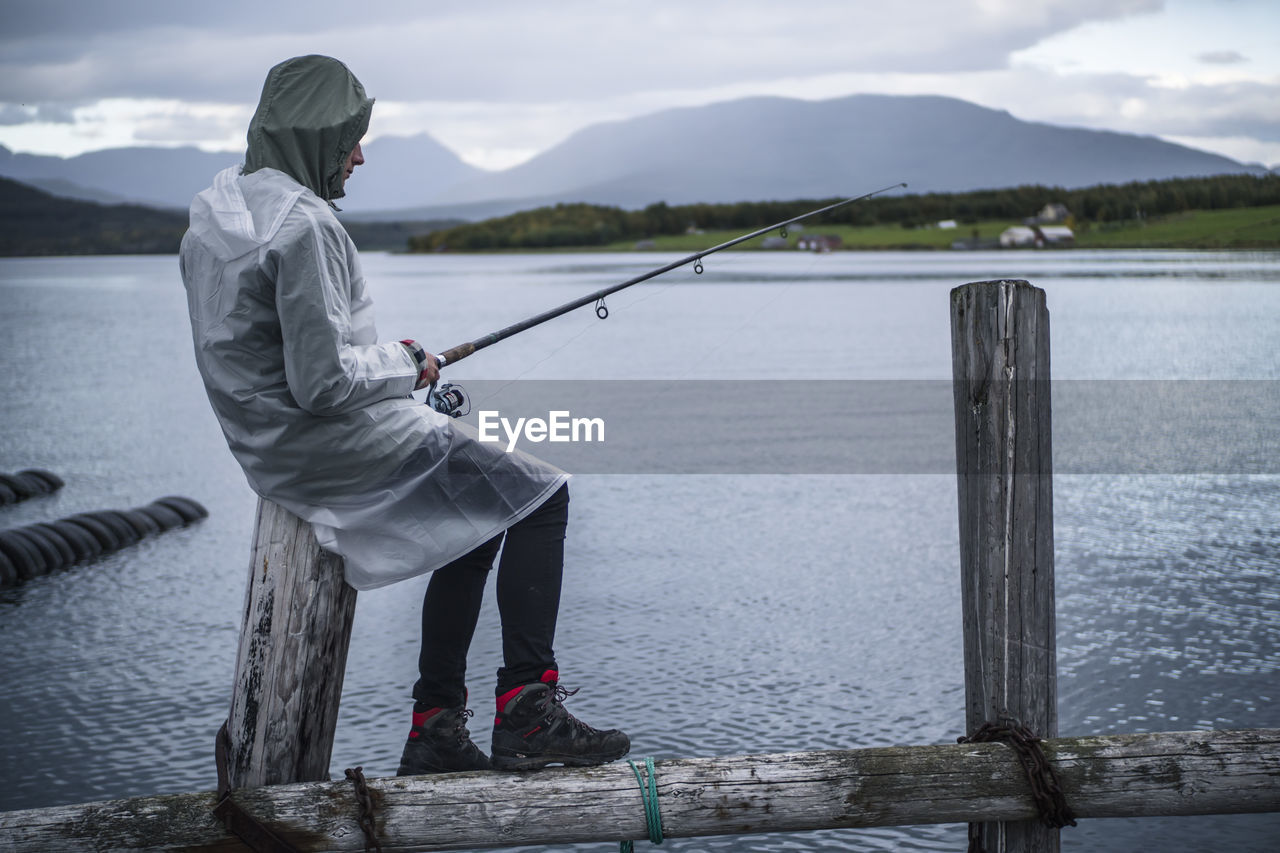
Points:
33	222
404	171
158	177
781	148
752	149
66	189
410	170
36	222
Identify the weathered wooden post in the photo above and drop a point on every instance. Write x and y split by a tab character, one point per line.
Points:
292	657
1000	363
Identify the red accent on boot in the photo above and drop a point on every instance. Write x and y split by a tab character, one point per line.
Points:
420	719
507	697
551	676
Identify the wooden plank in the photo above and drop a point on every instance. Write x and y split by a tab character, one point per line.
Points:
1000	364
292	655
1179	773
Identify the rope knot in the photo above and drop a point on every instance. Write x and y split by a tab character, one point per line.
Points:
649	795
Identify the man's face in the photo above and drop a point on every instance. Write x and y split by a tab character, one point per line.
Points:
355	158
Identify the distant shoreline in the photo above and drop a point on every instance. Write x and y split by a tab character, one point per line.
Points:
1244	229
1220	212
1224	212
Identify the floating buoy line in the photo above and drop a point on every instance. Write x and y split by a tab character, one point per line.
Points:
43	547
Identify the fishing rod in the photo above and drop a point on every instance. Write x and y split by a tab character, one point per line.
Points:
451	399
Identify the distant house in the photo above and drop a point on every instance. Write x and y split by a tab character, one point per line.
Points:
1017	237
645	245
774	242
819	242
1036	236
1052	213
947	223
1054	235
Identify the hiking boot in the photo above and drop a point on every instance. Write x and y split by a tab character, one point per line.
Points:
439	742
533	729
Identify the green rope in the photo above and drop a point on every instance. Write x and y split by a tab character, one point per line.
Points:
652	817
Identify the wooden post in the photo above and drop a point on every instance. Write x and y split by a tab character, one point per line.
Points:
292	657
1000	363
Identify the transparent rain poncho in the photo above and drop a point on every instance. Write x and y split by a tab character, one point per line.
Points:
317	412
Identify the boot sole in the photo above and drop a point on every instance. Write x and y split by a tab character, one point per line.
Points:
536	762
431	771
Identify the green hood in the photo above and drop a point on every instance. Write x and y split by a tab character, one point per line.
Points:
311	114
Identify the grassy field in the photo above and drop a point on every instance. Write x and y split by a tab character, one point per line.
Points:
873	237
1243	228
1238	228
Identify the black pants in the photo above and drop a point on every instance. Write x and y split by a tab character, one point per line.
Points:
529	576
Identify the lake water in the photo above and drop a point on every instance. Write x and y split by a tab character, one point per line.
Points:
706	614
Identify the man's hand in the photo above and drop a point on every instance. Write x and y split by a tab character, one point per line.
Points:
429	374
427	365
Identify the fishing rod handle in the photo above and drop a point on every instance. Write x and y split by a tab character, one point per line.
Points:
457	353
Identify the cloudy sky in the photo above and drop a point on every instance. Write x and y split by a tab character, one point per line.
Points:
498	81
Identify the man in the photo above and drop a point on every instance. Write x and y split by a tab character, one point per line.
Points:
320	417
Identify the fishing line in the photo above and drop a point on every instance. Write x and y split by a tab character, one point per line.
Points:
587	326
725	263
591	324
451	399
731	334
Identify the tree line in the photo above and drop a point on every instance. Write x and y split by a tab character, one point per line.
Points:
586	225
33	222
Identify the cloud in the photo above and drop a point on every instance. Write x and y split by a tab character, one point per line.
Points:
1134	104
1229	109
1238	119
500	80
15	114
1221	57
506	50
76	18
174	122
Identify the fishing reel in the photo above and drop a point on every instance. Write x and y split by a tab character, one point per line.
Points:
449	399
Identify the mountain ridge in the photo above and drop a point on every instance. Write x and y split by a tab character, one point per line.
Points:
773	148
168	178
756	148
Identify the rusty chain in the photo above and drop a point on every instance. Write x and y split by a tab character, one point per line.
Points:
1046	789
367	812
258	836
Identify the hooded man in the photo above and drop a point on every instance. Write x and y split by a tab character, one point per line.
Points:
320	417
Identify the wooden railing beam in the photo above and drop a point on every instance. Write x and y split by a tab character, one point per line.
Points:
1178	773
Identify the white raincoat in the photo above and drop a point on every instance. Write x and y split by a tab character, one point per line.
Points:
317	412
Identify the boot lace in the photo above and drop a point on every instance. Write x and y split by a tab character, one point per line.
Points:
460	724
560	694
556	708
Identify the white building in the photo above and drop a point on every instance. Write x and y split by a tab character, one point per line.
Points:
1036	236
1056	235
1019	236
